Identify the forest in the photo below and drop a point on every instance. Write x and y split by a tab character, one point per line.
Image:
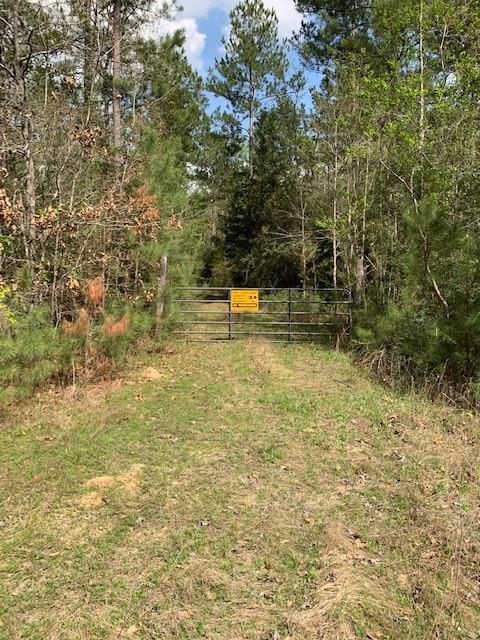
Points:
345	156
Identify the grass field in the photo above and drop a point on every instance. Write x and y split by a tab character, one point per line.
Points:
239	491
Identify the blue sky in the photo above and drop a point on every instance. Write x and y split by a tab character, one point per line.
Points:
206	21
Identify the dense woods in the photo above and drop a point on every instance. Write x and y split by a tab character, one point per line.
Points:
98	127
347	156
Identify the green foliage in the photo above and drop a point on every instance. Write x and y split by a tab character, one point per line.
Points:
395	121
140	330
34	352
336	29
7	317
254	61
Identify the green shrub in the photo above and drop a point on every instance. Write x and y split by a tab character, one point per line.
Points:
33	352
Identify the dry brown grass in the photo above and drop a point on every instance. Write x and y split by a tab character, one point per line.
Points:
95	291
128	482
151	373
80	326
114	329
264	359
91	500
343	586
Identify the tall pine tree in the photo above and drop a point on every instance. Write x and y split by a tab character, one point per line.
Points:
254	63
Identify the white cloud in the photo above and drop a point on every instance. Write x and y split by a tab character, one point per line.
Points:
288	17
289	20
225	36
194	39
201	8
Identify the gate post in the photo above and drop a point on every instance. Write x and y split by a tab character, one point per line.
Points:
289	315
230	337
162	283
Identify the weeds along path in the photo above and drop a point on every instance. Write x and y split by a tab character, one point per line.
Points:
239	491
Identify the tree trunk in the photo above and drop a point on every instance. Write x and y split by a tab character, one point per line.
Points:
116	72
360	264
335	210
304	247
30	195
422	82
27	138
359	281
251	98
88	66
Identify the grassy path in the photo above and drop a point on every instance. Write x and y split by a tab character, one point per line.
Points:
239	491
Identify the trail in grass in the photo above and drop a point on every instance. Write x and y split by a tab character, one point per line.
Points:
244	491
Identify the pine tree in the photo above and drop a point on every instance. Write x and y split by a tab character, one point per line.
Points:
254	64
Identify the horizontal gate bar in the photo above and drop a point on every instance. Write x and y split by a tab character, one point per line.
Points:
254	333
263	324
267	313
226	339
200	301
332	302
316	289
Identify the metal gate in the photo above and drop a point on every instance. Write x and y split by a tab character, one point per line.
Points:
283	314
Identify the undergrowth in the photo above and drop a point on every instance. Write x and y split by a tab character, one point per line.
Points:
407	349
34	353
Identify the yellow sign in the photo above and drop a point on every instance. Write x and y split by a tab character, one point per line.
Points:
244	300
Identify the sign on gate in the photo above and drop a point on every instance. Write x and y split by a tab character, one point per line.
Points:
244	300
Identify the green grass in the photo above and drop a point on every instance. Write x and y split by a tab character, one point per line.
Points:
253	491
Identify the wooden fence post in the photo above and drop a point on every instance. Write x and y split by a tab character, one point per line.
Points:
162	283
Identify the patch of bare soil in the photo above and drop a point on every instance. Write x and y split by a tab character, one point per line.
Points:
128	482
101	482
91	500
150	373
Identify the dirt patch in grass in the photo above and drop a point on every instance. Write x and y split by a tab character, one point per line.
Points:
150	373
128	482
101	482
91	500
